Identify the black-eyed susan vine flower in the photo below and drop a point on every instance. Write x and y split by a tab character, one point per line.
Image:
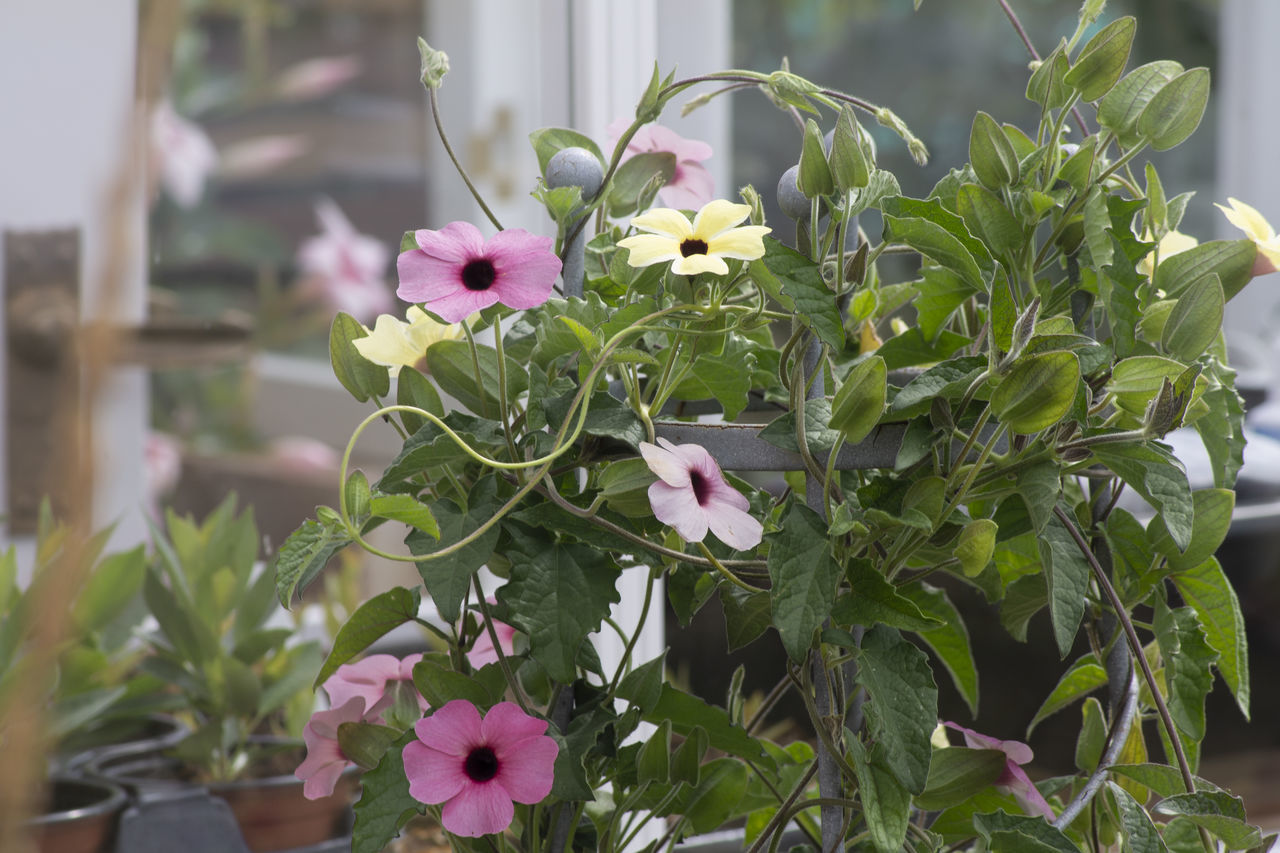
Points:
700	246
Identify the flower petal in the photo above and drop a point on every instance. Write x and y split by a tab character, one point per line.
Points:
461	304
691	187
695	264
647	249
526	768
424	278
665	221
478	809
506	723
718	216
1027	794
670	467
732	526
746	243
457	242
526	267
1248	219
679	508
453	729
433	776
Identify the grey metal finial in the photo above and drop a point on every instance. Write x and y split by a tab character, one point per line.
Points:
575	167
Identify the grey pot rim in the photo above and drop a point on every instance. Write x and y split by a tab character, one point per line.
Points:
114	800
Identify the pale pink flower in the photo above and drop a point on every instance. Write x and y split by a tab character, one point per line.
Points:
325	761
692	185
1014	779
692	495
259	155
368	680
344	267
454	272
182	155
314	78
162	463
304	454
478	768
482	651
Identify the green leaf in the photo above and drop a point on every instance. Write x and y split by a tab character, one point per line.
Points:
1217	811
406	509
1212	510
1021	834
784	272
365	743
957	773
746	617
903	702
1230	260
1140	833
414	389
107	591
948	380
1188	659
814	178
1120	109
635	176
452	367
975	546
1037	392
1085	676
1045	86
1067	576
1196	320
1136	380
886	804
440	685
872	600
910	348
370	621
713	801
653	764
941	293
727	378
859	402
558	596
362	378
1207	591
804	576
1175	111
189	636
1155	473
851	166
687	712
385	805
642	686
1039	486
448	578
355	494
936	243
991	154
949	641
781	432
1102	60
549	141
989	220
1092	737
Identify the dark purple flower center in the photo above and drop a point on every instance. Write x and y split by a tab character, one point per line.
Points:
478	274
693	246
701	487
481	764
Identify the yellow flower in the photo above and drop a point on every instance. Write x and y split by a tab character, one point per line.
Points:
1170	244
395	343
1257	229
700	247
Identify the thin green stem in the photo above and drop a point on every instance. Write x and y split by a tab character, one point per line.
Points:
444	140
635	635
728	575
505	664
503	406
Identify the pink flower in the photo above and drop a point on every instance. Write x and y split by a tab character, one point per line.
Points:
303	454
182	156
454	272
1014	779
261	154
482	651
314	78
344	267
325	763
368	680
479	768
691	186
692	495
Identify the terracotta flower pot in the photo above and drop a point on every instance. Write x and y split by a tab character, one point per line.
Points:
80	818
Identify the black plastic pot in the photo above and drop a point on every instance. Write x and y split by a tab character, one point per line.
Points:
81	817
154	731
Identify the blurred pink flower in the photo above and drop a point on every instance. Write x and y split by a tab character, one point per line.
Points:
314	78
478	768
692	495
455	272
302	453
261	154
1014	779
691	186
162	463
325	762
482	651
182	156
368	680
345	268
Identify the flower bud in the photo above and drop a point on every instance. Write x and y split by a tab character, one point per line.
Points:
790	199
435	64
814	177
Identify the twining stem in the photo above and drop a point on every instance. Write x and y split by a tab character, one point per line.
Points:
777	820
444	140
728	575
503	405
505	664
1031	49
635	635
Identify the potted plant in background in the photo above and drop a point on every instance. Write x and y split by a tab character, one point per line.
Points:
970	426
239	672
